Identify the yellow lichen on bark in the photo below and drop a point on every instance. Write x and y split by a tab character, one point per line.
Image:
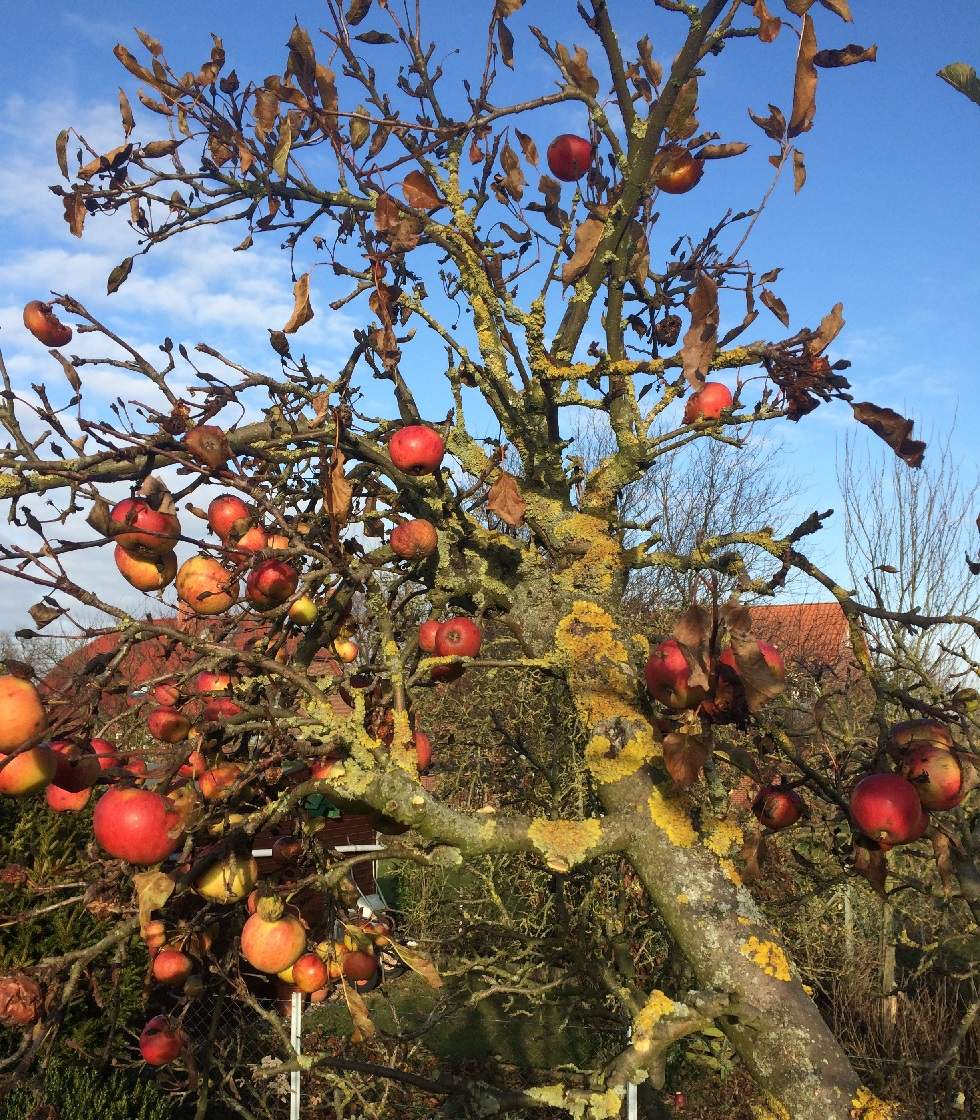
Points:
770	1110
730	871
580	1105
721	836
599	564
866	1106
564	843
656	1007
768	956
672	819
608	763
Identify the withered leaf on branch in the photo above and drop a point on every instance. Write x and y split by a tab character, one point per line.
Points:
153	888
505	39
577	66
337	492
360	127
682	113
760	682
769	24
839	7
265	111
420	193
70	372
893	429
75	212
528	147
61	151
363	1027
805	85
513	173
962	77
126	113
280	157
799	171
508	7
850	55
376	38
869	862
830	327
693	628
119	275
723	151
775	304
357	11
45	612
684	758
774	126
737	618
587	238
302	308
702	335
504	499
417	963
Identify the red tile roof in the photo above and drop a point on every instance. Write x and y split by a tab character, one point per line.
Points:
811	635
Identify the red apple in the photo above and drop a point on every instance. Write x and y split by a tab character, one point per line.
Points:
76	769
681	171
446	674
414	540
224	511
668	677
22	716
146	571
417	449
108	757
216	784
137	825
166	694
427	636
936	774
886	808
138	527
359	965
346	650
168	725
772	657
423	750
914	732
206	681
220	708
708	402
195	765
171	967
310	973
27	772
270	583
160	1042
569	157
206	586
460	637
64	801
41	320
777	807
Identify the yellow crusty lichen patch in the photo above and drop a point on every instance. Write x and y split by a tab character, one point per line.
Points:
866	1106
721	836
730	871
682	899
607	763
598	566
656	1007
564	843
580	1105
671	818
771	1110
768	956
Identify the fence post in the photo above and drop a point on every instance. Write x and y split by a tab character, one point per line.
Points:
296	1038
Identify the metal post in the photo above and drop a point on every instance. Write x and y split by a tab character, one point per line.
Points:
631	1103
295	1037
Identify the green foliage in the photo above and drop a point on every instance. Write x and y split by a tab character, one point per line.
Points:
78	1092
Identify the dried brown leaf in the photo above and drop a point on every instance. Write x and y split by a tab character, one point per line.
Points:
761	684
799	171
302	308
126	113
417	963
693	628
684	758
577	66
528	147
363	1026
850	55
75	212
830	327
869	862
839	7
504	499
587	238
119	275
702	335
774	126
722	151
420	193
893	428
153	888
505	40
71	373
805	85
360	127
357	11
337	491
769	24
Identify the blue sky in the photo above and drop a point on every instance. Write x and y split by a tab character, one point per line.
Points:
887	222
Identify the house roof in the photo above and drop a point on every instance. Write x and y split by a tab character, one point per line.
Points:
811	635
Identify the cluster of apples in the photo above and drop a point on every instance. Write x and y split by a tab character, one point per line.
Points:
456	637
893	807
570	157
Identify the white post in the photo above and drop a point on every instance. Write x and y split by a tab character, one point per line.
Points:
631	1100
295	1037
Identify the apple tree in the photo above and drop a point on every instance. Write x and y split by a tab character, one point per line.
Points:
336	559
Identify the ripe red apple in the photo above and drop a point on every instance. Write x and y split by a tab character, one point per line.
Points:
346	650
287	849
458	636
310	973
569	157
220	708
166	694
41	320
168	725
886	808
154	935
668	677
108	757
160	1042
135	765
417	449
195	765
270	583
206	586
772	657
427	636
65	801
423	750
359	965
146	571
171	967
777	807
414	540
936	774
224	511
76	768
272	946
137	825
216	784
138	527
446	674
913	732
254	539
681	171
28	772
708	402
207	681
22	716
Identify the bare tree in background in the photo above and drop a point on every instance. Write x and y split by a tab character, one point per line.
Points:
906	538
